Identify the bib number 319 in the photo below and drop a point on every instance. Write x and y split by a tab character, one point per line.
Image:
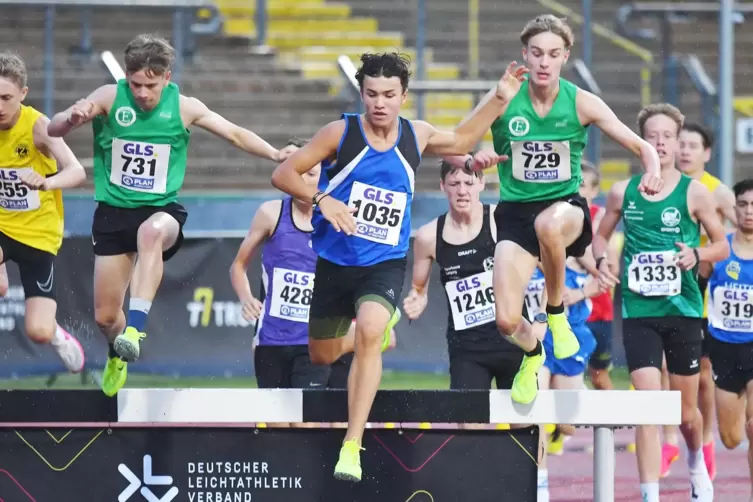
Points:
378	212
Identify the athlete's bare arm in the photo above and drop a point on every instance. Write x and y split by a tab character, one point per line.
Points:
480	161
194	112
323	146
83	111
725	203
70	171
701	205
262	226
593	110
608	270
424	251
705	269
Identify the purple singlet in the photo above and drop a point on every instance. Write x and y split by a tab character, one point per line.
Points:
288	265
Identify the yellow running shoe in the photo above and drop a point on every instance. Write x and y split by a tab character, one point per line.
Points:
388	332
348	468
127	344
114	377
556	444
564	340
525	386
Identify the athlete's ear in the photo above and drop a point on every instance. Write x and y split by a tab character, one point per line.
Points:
25	91
441	185
524	52
405	97
567	55
168	75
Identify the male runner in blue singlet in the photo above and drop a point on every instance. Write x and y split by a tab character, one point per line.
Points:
730	342
362	220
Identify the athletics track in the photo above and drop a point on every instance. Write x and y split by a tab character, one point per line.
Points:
571	475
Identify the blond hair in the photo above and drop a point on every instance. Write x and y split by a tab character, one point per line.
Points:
655	109
13	68
547	23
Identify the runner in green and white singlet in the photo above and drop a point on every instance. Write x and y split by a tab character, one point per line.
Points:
141	139
662	305
540	214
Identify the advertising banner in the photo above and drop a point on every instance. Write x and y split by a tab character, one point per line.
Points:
264	465
195	326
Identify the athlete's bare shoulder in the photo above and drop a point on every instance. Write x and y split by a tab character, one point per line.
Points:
271	208
426	238
616	195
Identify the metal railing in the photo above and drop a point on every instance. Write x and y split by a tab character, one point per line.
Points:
707	89
588	82
182	43
730	13
616	39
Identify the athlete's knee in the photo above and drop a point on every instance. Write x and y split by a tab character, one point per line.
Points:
40	329
547	228
508	322
324	352
151	236
369	332
732	436
690	414
706	383
107	319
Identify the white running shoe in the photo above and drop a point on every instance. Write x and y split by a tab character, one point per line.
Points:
70	352
701	487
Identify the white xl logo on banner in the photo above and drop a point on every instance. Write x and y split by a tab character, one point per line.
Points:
149	480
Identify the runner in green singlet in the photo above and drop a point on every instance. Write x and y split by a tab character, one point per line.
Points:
662	305
141	141
541	214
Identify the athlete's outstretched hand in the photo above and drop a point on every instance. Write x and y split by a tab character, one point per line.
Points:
338	214
251	309
32	179
607	275
414	304
81	112
651	184
485	159
509	84
685	257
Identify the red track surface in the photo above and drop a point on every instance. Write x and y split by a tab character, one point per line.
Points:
571	475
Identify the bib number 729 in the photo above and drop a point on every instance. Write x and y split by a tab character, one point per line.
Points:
138	165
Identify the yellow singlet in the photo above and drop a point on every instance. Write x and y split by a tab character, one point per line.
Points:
32	217
711	182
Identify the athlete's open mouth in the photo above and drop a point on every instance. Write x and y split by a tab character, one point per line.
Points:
542	75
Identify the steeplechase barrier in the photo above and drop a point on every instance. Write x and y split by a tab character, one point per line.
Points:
205	445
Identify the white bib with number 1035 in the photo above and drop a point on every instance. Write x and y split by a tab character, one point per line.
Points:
379	213
655	274
541	161
291	294
471	300
14	195
138	166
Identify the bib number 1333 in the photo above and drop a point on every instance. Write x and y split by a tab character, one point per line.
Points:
654	274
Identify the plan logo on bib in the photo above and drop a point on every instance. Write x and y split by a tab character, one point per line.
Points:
670	218
125	116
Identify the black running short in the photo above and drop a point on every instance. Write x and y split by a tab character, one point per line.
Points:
339	290
515	222
731	363
115	229
36	267
477	370
647	339
288	367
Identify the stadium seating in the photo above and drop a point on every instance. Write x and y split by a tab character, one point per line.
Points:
292	90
